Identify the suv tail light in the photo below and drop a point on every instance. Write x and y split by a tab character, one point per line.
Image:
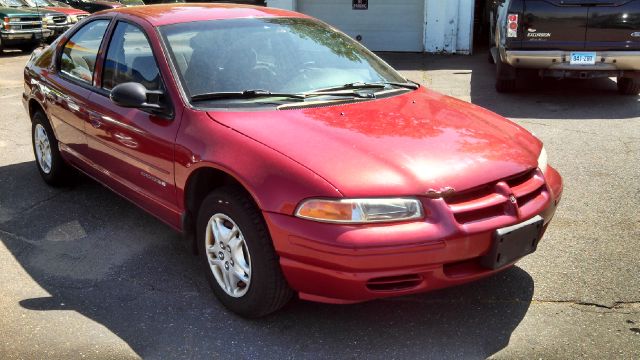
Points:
512	26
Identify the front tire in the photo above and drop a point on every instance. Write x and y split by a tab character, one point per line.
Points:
51	166
237	254
628	86
28	48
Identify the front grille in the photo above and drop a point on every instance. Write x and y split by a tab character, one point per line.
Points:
60	19
494	199
29	18
25	23
26	26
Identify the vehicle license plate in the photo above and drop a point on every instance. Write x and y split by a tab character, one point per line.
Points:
513	242
583	58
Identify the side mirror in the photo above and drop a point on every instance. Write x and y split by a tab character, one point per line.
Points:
135	95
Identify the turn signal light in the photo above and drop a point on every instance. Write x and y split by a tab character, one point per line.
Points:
328	211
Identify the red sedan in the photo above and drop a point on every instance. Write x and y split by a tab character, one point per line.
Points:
294	160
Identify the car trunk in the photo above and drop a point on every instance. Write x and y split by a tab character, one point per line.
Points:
581	24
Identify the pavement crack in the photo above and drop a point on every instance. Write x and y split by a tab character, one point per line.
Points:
38	203
616	306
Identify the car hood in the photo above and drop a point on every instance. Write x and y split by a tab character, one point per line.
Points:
111	4
68	11
17	11
49	12
408	144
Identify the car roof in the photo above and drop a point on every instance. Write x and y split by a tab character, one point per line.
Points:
165	14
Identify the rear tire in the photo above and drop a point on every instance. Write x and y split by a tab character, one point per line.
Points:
506	76
505	86
230	227
628	86
50	164
490	58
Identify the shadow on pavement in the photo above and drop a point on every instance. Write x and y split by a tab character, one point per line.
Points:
535	98
96	254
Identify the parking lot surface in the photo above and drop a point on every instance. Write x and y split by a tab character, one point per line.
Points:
84	273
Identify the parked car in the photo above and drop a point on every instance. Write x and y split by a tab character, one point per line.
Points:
73	15
22	28
53	20
566	39
92	6
294	159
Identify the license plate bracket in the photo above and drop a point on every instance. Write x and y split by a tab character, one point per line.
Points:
583	58
513	242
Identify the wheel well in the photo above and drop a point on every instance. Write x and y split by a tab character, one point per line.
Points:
202	182
34	106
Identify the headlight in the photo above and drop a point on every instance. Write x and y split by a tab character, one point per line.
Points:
72	19
360	211
542	161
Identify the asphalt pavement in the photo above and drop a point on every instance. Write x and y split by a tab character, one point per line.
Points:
86	274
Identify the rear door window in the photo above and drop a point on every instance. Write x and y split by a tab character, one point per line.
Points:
130	59
78	59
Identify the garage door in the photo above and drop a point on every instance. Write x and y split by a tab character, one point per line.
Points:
387	25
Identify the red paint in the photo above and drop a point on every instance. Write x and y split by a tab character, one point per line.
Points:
415	144
166	14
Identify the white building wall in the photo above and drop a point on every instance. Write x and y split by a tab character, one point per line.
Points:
448	24
282	4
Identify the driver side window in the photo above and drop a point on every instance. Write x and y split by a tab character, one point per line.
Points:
130	59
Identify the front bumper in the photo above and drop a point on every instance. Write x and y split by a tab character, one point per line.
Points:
22	36
348	264
59	29
560	60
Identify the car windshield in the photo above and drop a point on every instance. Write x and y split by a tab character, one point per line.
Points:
13	3
274	55
34	3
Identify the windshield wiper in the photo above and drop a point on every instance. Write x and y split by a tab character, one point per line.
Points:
246	94
252	94
371	85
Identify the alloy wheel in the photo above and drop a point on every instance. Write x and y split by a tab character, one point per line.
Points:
228	255
42	148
